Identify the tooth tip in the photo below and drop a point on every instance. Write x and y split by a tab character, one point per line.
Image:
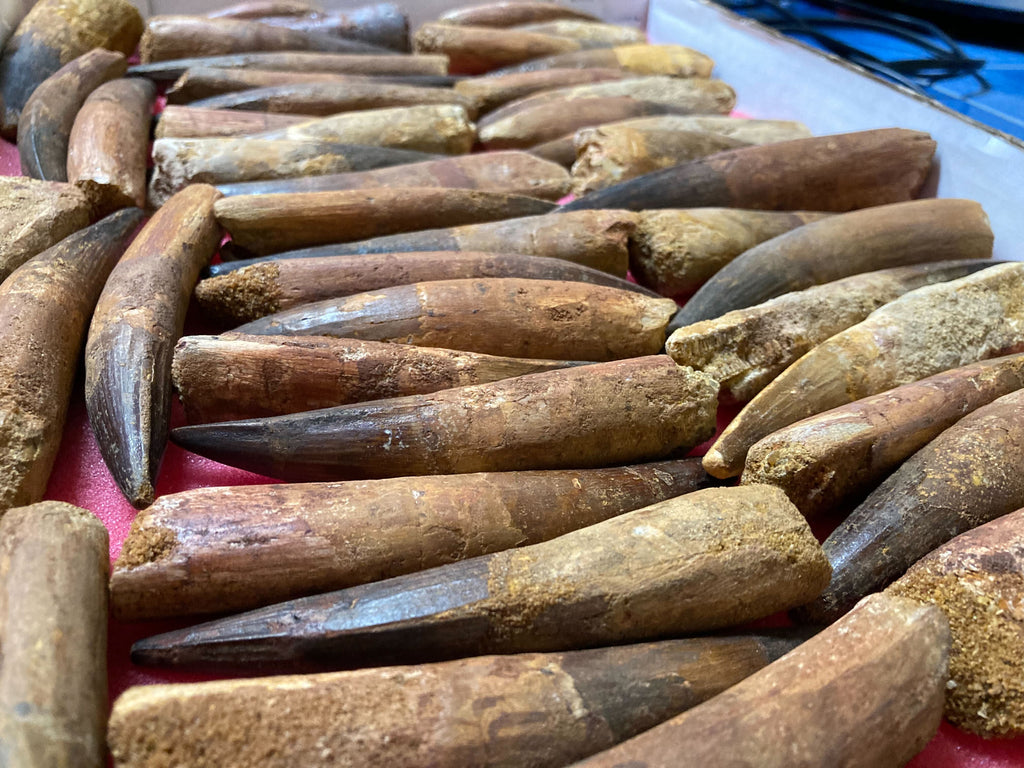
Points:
716	465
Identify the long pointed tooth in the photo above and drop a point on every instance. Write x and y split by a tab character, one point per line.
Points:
597	239
876	167
231	549
54	33
298	61
180	162
643	574
889	657
562	419
35	215
608	154
45	306
826	461
138	319
500	14
862	241
178	122
675	251
255	9
451	710
223	378
267	287
474	50
975	580
966	476
53	629
489	92
382	24
517	317
272	223
109	144
924	332
176	37
592	34
747	348
44	129
674	60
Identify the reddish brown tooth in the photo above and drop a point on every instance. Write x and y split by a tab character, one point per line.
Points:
177	122
705	560
215	550
54	560
177	37
138	319
879	674
109	145
44	129
505	14
45	307
272	223
889	165
474	50
491	91
54	33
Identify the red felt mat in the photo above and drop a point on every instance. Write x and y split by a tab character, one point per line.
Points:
81	478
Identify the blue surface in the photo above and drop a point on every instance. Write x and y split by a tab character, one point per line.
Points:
1000	106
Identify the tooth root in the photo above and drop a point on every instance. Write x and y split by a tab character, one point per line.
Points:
565	593
890	655
924	332
968	475
877	167
562	420
138	319
328	536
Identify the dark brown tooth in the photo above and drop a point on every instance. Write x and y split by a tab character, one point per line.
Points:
461	707
900	342
178	37
44	129
443	128
53	630
509	14
553	319
595	239
325	99
968	475
747	348
563	419
138	319
45	306
590	34
830	461
976	580
674	60
515	173
875	238
54	33
222	378
109	145
264	288
675	251
824	173
665	562
202	82
254	9
474	50
382	24
267	224
180	162
298	61
35	215
215	550
491	92
177	122
609	154
517	123
890	657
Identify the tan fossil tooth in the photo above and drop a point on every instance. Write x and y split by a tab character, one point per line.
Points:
215	550
923	332
589	33
473	50
509	14
226	377
976	580
178	122
829	461
54	560
674	60
254	9
747	348
380	24
490	92
865	693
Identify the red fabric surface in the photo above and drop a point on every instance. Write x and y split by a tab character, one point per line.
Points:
81	478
